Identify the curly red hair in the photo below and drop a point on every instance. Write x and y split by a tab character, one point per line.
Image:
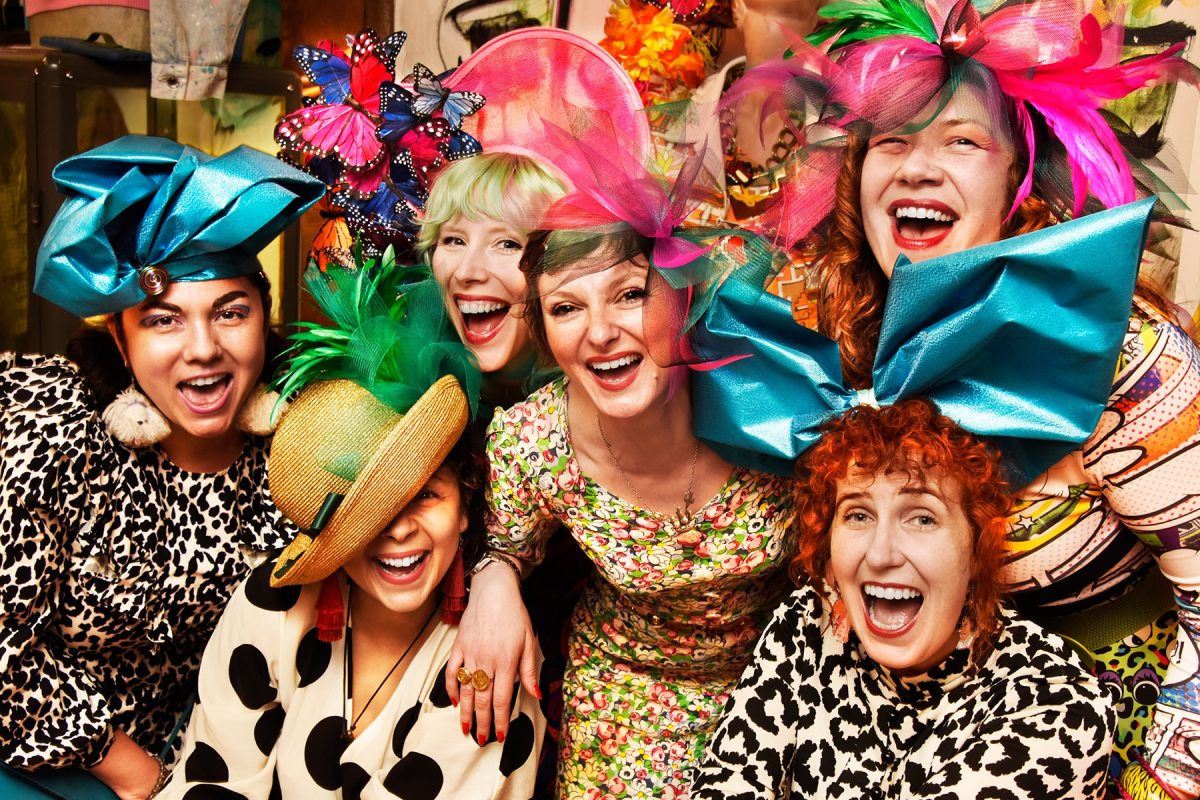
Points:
913	439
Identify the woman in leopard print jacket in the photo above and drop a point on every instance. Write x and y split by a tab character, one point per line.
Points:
129	517
893	672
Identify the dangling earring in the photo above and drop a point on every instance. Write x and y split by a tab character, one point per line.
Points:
257	414
966	634
133	420
841	622
454	589
331	611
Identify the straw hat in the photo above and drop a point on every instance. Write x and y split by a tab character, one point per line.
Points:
343	465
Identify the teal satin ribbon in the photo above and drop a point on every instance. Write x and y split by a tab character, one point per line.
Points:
143	202
1016	341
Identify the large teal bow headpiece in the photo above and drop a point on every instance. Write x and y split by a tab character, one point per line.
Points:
1016	341
143	211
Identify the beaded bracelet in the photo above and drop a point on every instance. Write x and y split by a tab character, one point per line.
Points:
496	557
164	775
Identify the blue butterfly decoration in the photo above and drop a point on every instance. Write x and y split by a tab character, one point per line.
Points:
460	144
390	208
396	110
407	182
329	71
391	49
431	97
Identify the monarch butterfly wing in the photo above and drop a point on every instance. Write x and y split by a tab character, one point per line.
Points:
332	244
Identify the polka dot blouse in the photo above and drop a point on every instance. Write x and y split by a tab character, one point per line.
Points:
270	718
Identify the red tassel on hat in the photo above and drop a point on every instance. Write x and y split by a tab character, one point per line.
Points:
331	612
454	591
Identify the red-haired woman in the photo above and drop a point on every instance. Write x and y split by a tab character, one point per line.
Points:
894	671
970	131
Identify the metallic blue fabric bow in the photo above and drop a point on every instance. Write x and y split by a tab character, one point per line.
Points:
1016	341
142	211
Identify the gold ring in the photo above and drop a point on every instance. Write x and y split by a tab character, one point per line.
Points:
480	680
463	675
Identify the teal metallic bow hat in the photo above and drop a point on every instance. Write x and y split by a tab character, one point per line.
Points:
143	211
1016	341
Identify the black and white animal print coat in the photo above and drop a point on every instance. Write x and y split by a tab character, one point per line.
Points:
114	568
815	718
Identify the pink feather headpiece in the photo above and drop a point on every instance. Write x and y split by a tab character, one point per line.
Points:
1047	59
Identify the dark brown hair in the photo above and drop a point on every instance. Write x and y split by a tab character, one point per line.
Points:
102	367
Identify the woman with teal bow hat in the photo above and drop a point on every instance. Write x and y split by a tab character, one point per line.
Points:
944	132
894	668
133	494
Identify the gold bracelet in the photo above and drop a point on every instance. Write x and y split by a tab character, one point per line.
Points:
496	557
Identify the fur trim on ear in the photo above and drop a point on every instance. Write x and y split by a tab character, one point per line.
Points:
258	412
134	420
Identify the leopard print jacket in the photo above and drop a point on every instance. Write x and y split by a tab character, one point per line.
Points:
815	718
114	569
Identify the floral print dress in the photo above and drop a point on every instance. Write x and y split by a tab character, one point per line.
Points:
659	638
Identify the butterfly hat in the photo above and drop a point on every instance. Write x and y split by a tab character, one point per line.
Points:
378	139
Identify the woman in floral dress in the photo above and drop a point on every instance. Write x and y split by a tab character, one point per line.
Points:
689	550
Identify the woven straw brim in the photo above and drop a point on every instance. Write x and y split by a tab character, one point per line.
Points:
409	451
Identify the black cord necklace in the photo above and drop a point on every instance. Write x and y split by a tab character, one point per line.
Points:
348	667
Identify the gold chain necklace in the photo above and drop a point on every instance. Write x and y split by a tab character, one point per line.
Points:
348	668
682	516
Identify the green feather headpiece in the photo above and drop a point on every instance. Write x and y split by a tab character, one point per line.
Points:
857	21
389	334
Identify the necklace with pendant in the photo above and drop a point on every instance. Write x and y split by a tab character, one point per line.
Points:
681	517
348	726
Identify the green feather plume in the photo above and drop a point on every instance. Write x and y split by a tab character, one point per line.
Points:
389	334
856	21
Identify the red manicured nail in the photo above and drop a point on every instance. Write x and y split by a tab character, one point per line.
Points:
482	740
454	702
537	692
466	729
499	736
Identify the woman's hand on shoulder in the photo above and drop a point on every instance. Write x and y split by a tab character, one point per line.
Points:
495	636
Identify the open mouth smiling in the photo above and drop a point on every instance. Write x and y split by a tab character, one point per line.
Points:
205	392
482	317
615	372
921	225
891	610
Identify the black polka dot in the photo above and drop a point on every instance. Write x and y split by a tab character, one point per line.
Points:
312	658
415	777
403	726
518	744
276	792
323	753
439	696
205	764
354	779
260	593
266	730
207	792
250	677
